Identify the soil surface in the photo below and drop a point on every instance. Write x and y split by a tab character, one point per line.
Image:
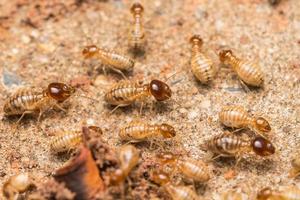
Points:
41	42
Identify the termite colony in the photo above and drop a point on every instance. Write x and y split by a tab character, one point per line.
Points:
98	169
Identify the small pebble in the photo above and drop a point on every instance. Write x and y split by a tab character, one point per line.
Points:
10	79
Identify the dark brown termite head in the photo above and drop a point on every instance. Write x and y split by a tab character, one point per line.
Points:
262	146
262	124
167	131
224	54
264	194
90	51
136	8
160	90
60	91
160	177
196	40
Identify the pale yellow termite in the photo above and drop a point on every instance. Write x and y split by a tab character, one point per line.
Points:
238	117
202	66
193	169
27	101
16	185
129	157
125	93
137	33
110	58
295	171
175	192
229	144
233	195
289	193
139	131
247	71
67	140
181	192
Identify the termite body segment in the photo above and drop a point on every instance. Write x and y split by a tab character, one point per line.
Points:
139	131
194	169
238	117
66	141
232	195
202	66
111	59
289	193
181	192
15	185
295	171
27	101
247	71
175	192
137	33
229	144
125	93
129	157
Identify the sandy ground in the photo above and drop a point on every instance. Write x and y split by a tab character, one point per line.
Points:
48	49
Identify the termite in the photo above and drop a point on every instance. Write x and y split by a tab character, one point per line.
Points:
137	131
247	71
109	58
175	192
125	93
30	100
181	192
289	193
137	34
193	169
67	140
16	185
238	117
233	195
202	66
229	144
295	171
129	157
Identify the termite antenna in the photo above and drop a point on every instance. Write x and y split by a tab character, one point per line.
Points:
86	97
179	71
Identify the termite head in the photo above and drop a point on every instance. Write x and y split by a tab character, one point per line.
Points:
264	194
262	146
196	40
262	124
90	51
224	54
16	184
296	163
136	8
116	177
60	91
167	131
160	90
160	177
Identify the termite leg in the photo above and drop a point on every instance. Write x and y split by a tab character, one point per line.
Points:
119	72
104	70
19	120
244	86
115	108
61	108
141	108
